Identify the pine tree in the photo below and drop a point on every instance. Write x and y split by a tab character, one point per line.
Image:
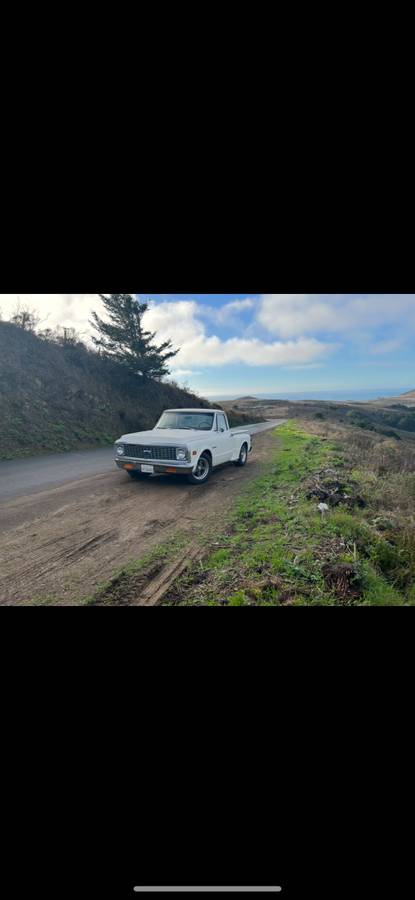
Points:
124	339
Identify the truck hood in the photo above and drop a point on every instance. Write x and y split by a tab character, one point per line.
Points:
163	437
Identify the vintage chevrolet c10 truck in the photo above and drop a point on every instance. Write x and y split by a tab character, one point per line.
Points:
184	441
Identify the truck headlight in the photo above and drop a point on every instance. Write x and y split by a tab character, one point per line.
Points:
120	450
181	454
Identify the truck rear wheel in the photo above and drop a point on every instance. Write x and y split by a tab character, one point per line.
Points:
202	471
243	456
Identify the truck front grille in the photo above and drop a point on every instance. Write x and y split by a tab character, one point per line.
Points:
141	451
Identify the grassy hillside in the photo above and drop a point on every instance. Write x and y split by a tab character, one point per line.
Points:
56	398
395	419
406	399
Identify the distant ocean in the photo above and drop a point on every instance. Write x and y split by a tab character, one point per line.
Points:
321	395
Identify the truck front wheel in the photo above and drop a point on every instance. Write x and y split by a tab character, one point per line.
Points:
202	471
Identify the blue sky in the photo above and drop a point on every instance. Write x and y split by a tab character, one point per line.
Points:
265	343
276	343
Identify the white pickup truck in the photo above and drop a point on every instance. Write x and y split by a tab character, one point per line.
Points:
184	441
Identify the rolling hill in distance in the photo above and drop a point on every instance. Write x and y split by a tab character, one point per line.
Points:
345	395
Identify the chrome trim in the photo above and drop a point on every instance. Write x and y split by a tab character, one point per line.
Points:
170	463
150	458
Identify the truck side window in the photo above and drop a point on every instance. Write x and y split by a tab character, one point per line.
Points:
222	423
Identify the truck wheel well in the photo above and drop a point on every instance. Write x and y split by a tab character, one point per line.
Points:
207	453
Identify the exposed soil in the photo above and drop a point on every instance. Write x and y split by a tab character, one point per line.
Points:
343	580
59	545
326	487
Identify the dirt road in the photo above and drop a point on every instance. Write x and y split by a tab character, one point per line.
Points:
61	542
20	477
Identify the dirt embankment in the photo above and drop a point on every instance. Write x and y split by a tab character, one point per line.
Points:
59	545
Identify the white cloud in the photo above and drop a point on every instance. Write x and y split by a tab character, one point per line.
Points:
236	305
228	314
211	351
292	315
176	321
180	322
70	310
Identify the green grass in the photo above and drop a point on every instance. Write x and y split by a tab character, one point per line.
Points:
276	545
263	531
218	559
377	591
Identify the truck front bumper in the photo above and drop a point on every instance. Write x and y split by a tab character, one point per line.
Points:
170	468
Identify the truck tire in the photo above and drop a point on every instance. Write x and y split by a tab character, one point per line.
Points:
243	456
203	470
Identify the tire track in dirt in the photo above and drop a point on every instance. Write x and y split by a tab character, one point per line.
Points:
38	568
148	587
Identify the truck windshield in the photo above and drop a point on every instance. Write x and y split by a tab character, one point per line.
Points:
187	421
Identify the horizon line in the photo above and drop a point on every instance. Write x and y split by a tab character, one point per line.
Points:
244	392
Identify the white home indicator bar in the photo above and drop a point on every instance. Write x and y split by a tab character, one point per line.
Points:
178	890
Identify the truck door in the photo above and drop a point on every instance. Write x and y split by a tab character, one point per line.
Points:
223	439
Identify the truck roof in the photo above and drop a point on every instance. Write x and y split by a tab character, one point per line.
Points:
193	410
